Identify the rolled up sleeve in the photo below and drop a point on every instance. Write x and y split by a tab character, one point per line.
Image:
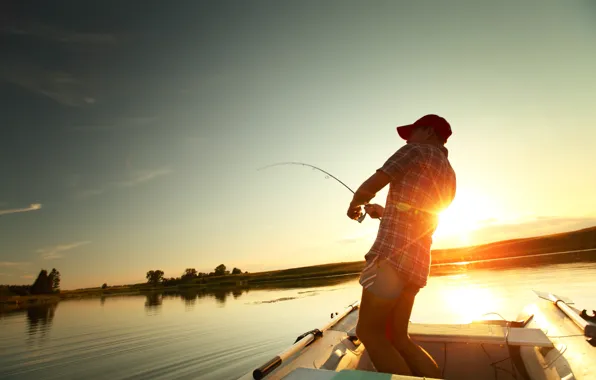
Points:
401	161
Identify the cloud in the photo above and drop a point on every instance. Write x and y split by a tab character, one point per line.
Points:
26	71
5	264
122	123
138	177
90	192
33	207
27	276
55	252
143	176
62	87
58	34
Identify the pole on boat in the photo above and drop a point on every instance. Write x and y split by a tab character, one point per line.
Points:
303	341
588	328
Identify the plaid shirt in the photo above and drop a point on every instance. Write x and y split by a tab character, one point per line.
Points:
422	185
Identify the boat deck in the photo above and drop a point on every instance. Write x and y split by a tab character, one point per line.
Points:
462	333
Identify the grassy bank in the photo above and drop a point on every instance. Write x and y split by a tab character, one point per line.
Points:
12	303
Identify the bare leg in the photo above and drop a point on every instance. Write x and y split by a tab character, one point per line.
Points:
420	361
372	319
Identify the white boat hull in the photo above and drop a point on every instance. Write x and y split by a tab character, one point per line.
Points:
544	344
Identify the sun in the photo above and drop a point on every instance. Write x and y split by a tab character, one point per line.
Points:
468	212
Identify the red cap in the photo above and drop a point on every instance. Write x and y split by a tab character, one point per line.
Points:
440	125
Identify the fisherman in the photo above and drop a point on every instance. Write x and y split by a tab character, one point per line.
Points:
421	184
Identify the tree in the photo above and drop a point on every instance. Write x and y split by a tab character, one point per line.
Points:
54	279
189	274
236	271
154	277
220	270
41	284
104	286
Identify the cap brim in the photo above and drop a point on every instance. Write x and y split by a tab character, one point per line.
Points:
405	131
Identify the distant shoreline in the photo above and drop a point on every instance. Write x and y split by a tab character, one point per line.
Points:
569	247
308	276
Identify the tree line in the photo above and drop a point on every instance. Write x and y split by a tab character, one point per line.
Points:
156	277
46	283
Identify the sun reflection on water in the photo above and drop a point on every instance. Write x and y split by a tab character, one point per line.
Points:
468	302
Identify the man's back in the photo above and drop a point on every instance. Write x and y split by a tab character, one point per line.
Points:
422	185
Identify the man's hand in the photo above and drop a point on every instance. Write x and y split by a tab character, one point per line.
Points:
374	210
354	212
366	192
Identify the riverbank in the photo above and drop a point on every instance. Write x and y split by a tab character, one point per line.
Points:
13	303
575	246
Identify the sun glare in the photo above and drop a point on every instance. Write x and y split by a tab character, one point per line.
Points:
469	302
466	214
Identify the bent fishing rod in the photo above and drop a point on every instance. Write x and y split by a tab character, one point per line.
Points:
360	219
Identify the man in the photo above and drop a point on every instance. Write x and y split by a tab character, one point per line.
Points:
421	184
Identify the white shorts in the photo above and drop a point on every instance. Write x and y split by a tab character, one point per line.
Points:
381	279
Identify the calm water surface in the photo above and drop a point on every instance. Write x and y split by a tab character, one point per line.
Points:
223	335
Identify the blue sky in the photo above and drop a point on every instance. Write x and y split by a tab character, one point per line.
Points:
139	128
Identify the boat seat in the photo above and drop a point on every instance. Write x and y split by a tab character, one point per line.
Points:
476	333
346	374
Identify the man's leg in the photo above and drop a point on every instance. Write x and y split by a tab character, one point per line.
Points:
372	318
421	363
380	291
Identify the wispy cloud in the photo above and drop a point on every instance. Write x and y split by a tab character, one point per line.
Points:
143	176
61	87
6	264
27	276
136	178
119	124
59	34
55	252
33	207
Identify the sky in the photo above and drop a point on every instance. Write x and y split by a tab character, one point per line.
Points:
131	134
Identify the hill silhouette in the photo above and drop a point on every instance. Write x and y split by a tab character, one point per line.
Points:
561	242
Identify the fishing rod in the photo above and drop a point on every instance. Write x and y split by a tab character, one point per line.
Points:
360	219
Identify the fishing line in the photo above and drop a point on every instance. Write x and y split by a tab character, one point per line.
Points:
328	175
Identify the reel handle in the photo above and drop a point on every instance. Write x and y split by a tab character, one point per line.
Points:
361	218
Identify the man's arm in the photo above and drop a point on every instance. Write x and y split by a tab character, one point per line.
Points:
393	169
370	188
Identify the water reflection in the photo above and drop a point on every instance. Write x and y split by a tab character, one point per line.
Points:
153	303
220	295
39	320
465	300
190	296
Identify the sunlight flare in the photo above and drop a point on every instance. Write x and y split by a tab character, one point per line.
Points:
469	302
468	212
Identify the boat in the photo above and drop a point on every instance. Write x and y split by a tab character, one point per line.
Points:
550	339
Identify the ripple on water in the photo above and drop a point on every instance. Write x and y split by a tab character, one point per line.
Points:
224	337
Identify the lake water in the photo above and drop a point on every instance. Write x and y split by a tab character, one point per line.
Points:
223	335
